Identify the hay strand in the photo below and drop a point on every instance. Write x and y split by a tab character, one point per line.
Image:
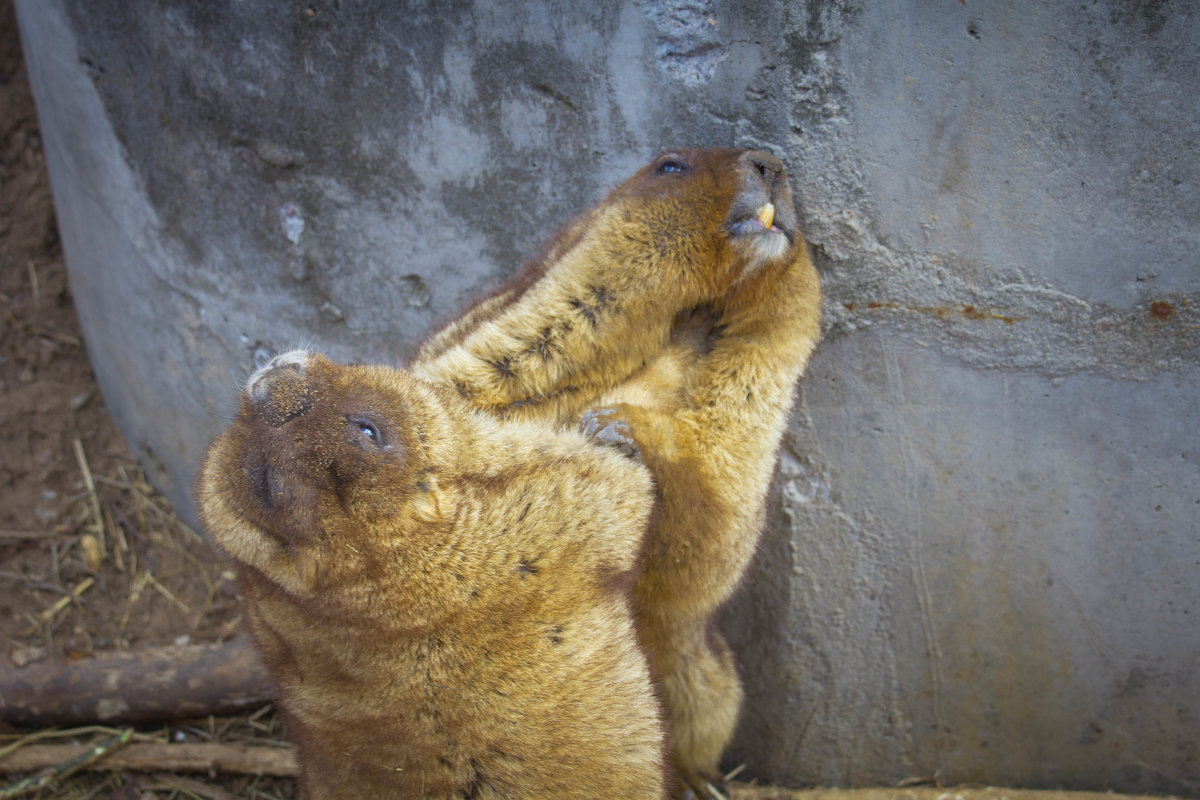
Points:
71	597
93	498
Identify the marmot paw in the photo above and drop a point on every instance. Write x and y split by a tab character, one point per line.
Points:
603	426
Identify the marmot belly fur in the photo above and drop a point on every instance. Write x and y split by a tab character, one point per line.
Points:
442	597
684	307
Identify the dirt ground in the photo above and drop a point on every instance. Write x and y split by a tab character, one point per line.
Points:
91	558
153	580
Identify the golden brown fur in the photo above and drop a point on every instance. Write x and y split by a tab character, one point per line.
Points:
683	325
442	597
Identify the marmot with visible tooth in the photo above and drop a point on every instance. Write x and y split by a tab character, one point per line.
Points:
442	597
681	311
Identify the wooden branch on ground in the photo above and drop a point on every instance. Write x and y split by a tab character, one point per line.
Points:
157	683
182	681
741	791
281	762
153	757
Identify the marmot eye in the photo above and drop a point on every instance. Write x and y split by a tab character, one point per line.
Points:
671	166
364	432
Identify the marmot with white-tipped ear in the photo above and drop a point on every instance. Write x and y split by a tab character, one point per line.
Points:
442	597
672	320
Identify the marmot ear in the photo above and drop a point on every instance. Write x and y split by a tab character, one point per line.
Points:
429	503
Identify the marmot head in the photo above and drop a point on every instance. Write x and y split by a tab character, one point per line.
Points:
325	487
707	218
692	229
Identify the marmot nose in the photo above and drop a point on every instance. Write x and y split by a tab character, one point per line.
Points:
769	168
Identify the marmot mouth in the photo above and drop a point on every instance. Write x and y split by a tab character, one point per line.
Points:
264	481
264	506
753	226
761	221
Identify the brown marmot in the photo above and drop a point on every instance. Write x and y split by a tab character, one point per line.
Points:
683	308
441	596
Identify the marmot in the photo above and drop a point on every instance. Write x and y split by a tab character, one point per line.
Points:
441	596
684	307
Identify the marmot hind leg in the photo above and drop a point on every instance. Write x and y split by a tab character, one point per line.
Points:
702	695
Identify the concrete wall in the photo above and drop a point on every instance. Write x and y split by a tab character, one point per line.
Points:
984	554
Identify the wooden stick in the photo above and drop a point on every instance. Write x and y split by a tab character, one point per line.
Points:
748	792
187	787
153	757
61	769
129	686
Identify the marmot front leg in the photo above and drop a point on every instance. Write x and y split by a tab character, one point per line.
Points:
711	447
690	566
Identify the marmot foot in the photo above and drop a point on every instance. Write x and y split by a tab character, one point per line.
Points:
706	786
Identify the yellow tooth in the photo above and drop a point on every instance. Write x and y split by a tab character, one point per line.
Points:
766	215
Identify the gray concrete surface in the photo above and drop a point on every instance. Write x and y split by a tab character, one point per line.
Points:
983	559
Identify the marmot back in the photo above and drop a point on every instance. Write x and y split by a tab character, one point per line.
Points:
443	598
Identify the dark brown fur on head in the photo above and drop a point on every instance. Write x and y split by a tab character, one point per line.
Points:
328	471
